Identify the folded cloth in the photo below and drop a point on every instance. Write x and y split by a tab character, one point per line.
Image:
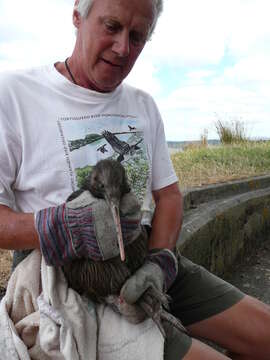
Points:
41	318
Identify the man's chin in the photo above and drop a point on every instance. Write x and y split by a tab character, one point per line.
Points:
106	86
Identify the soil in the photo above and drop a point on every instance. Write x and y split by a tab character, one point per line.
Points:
5	267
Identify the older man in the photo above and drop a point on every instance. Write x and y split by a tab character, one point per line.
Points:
57	121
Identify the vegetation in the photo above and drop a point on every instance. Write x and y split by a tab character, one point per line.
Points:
200	165
89	139
236	157
82	174
231	132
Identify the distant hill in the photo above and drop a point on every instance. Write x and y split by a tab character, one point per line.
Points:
182	144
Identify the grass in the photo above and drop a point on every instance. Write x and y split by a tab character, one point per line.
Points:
233	132
201	165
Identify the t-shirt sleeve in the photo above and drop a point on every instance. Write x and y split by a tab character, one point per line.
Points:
9	159
163	173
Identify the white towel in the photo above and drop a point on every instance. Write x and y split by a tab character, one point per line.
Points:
41	318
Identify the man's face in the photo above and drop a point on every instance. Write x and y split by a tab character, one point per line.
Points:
110	39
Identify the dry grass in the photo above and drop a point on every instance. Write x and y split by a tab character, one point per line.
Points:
232	132
198	165
5	266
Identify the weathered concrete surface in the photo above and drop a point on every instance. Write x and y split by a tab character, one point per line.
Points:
222	226
196	196
226	228
252	275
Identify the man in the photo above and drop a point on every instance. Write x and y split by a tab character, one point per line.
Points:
54	121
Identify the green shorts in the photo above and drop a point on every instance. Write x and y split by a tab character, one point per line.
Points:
196	295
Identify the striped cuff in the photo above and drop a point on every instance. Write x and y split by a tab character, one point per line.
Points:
66	233
129	226
82	229
54	236
167	261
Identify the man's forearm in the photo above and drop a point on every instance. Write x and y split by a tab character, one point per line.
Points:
17	230
167	218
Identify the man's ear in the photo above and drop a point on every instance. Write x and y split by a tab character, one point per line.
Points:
76	18
76	15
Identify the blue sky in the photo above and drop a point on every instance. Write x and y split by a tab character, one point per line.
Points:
207	60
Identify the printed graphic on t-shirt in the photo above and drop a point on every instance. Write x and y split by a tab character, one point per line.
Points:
92	138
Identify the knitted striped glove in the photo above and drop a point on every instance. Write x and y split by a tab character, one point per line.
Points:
84	228
159	271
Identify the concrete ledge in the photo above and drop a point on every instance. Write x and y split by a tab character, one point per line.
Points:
208	193
223	222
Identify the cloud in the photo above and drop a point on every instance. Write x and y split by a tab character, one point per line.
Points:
197	106
145	75
196	33
250	71
250	31
190	33
35	33
219	53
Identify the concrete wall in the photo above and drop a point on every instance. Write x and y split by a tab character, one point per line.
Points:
223	222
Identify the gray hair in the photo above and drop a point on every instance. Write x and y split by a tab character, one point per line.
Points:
84	7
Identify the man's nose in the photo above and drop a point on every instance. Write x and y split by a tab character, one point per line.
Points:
121	45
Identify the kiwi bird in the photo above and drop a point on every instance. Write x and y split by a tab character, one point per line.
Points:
103	280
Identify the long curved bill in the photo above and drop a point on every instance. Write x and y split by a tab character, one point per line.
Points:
116	218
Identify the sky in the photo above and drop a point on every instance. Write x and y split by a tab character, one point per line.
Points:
208	60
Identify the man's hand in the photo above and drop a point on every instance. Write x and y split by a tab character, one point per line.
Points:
84	227
158	272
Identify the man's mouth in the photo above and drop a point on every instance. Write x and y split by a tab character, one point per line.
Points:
112	64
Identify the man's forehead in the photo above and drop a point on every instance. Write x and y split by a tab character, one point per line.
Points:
140	8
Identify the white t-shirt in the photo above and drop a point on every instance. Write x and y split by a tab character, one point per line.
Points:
52	132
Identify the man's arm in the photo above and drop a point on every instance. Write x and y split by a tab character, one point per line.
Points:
167	220
17	230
